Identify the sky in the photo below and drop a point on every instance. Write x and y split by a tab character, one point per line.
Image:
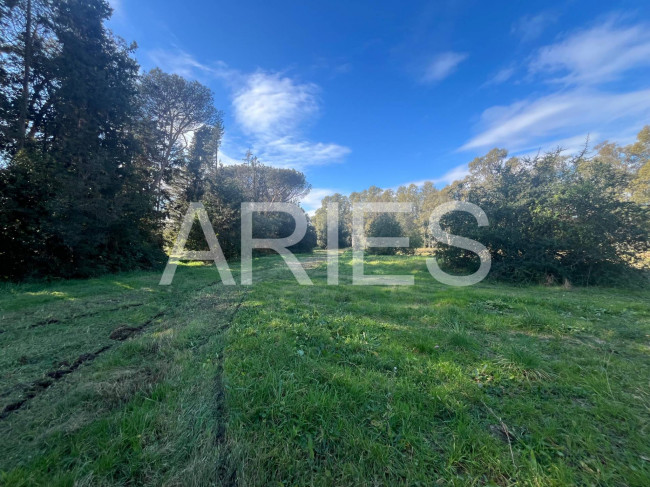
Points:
385	93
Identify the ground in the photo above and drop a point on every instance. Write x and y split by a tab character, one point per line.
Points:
119	381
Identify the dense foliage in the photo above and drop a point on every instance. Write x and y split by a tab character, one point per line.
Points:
384	225
72	192
98	164
553	218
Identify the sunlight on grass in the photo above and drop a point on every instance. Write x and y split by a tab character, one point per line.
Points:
327	385
123	285
56	294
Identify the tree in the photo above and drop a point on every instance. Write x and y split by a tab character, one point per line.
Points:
27	46
26	187
173	108
640	186
384	225
638	157
87	209
552	218
585	219
224	188
344	220
430	199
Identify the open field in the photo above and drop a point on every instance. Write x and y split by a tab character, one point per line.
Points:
118	381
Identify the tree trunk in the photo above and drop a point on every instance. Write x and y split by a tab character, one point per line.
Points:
22	121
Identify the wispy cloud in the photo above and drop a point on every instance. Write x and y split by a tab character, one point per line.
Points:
177	61
455	174
596	55
272	109
272	105
535	121
290	151
501	76
580	63
531	27
442	66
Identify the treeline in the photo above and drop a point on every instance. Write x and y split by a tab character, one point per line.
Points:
98	162
553	218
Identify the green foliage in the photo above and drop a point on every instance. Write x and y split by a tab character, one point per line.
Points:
222	190
582	220
309	241
344	221
25	189
172	109
85	210
641	185
552	219
384	225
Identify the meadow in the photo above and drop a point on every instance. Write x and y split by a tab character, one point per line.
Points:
120	381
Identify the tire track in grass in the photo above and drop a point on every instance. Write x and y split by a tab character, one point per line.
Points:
51	377
226	477
34	388
51	321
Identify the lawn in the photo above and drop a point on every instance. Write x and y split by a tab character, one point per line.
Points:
119	381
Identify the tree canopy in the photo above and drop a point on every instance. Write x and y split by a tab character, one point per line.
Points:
98	163
553	218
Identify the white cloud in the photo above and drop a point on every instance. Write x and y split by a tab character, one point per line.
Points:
455	174
290	151
452	175
596	55
442	66
271	105
312	201
274	109
177	61
271	109
530	27
569	145
536	121
501	76
579	62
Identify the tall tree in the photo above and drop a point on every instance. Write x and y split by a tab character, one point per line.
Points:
638	157
89	212
27	47
344	220
174	109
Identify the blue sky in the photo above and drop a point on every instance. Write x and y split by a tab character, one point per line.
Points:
360	93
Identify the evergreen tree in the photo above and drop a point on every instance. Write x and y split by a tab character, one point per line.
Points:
88	210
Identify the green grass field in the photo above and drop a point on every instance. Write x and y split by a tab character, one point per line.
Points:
118	381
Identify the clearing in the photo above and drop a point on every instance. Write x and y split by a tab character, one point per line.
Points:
119	381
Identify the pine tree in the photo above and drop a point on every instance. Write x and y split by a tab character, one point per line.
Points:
75	200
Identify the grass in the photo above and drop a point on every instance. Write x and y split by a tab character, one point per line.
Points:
281	384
